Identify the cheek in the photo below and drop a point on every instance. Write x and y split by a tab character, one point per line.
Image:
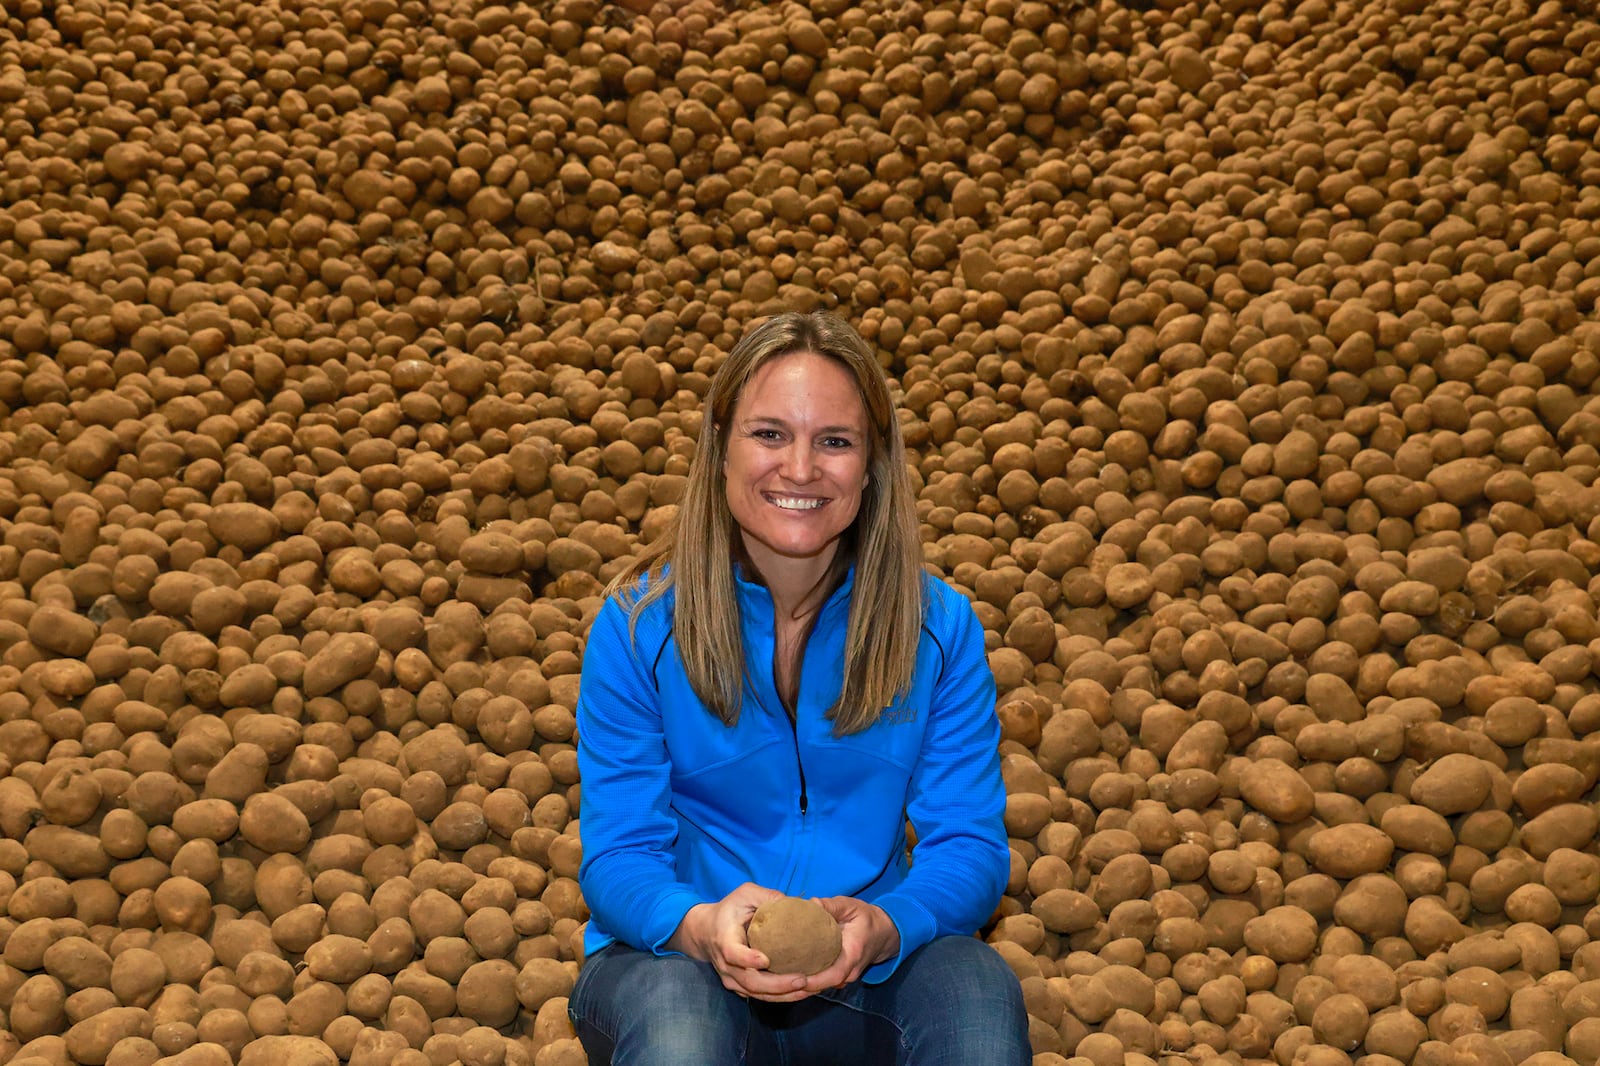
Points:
862	465
737	469
853	474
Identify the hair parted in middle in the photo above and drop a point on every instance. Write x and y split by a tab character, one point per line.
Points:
886	606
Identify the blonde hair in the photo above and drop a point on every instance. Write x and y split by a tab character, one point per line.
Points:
886	604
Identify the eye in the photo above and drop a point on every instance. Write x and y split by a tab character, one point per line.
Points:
837	443
766	434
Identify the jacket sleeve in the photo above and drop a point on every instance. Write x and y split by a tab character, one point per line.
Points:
628	875
956	801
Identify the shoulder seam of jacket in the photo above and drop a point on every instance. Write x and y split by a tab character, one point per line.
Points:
944	656
655	664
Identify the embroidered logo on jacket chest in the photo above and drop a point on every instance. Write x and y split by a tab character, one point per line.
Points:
898	715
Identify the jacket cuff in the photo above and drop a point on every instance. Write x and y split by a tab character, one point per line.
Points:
917	928
666	916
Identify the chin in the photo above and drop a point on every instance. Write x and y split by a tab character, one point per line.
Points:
805	549
798	549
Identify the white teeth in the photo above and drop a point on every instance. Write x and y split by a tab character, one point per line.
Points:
796	503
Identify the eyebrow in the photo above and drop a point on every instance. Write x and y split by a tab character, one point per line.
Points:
774	421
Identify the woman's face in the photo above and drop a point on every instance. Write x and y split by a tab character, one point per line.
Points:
796	462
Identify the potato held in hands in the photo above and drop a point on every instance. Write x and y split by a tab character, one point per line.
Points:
796	936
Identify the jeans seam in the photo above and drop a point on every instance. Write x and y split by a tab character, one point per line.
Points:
899	1030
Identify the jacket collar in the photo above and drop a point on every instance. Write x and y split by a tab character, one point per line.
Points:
755	601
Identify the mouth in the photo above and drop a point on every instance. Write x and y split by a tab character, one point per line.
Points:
794	503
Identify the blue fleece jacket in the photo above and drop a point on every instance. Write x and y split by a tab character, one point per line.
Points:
679	809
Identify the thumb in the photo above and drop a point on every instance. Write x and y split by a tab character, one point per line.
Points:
842	908
755	894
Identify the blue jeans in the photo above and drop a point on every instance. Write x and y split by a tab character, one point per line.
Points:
953	1002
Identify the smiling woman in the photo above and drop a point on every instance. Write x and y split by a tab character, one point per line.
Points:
815	367
768	695
796	466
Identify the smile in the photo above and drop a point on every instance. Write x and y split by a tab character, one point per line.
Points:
796	503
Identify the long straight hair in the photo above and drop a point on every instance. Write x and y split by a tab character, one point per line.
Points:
886	603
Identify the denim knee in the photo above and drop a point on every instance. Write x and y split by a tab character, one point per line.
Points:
633	1007
965	966
955	1001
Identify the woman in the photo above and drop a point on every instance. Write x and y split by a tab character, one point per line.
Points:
767	695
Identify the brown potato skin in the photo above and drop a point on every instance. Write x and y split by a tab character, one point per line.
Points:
796	936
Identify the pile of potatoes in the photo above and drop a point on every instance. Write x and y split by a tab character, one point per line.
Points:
1250	365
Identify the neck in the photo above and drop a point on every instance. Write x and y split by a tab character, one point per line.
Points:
796	585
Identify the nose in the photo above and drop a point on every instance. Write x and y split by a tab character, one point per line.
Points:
799	463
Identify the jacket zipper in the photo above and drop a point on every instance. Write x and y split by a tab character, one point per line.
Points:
794	728
794	725
794	731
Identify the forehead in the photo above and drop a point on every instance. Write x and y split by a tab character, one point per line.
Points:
803	384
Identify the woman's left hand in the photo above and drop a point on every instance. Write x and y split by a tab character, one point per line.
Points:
869	937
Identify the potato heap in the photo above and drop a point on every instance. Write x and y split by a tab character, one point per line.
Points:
1249	361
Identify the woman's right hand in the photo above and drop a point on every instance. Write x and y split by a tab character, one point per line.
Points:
715	933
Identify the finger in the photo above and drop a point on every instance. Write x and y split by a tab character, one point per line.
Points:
753	895
845	969
859	964
746	958
835	976
841	907
791	997
758	984
779	997
732	945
